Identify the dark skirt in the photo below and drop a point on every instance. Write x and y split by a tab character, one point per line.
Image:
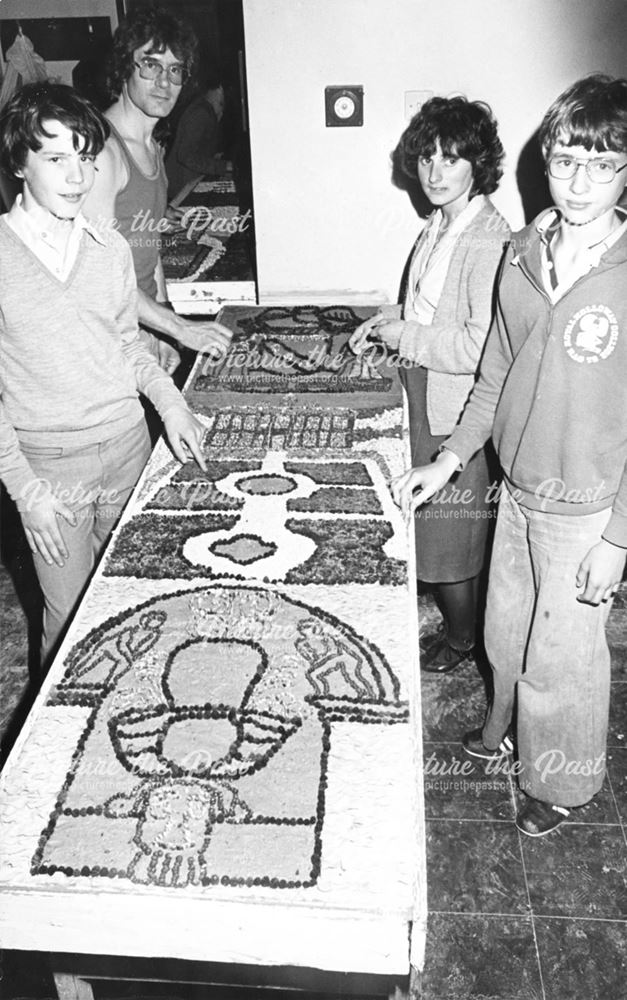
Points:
452	530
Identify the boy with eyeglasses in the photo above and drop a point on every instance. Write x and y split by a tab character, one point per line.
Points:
153	55
552	393
73	438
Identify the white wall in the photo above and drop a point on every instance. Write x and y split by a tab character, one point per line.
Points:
329	224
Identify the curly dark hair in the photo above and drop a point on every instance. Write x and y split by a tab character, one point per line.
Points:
463	128
592	112
23	118
149	24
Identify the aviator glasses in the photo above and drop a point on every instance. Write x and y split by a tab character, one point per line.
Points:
563	167
151	69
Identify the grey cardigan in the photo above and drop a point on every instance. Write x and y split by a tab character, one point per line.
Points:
451	346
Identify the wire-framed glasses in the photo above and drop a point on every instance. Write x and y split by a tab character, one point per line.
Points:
600	171
151	69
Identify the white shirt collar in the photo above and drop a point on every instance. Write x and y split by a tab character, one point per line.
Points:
464	218
549	223
589	259
37	222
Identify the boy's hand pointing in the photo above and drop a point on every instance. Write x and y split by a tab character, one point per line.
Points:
185	434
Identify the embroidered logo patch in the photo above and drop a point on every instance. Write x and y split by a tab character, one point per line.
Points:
591	334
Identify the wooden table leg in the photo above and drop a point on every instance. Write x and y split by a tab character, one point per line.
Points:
72	987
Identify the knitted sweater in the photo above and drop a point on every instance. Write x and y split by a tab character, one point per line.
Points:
450	347
552	389
71	361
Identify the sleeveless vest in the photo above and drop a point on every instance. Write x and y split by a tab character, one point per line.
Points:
139	208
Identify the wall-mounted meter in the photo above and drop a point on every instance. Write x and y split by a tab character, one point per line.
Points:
344	105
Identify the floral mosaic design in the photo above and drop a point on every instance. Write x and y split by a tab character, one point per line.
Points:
210	720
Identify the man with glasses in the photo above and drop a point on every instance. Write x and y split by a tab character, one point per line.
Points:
552	393
153	55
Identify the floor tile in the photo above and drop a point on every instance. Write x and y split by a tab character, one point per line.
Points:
583	959
617	733
452	704
578	871
620	601
14	650
616	631
474	867
458	787
429	618
601	809
617	770
476	957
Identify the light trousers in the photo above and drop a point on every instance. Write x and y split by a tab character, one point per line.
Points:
95	482
548	652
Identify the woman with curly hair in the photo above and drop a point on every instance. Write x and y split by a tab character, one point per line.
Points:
452	147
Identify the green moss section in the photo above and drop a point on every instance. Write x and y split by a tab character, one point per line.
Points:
193	496
332	473
334	500
151	546
190	472
266	485
193	489
348	552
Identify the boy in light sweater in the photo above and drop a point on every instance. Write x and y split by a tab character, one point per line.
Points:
73	438
552	393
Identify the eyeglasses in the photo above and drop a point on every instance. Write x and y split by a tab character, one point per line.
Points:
599	171
151	69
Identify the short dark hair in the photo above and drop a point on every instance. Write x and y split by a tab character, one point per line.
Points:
463	128
149	24
22	122
592	112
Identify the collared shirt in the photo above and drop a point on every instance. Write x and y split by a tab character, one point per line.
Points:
35	228
555	286
433	256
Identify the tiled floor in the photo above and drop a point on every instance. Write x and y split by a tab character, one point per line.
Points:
511	918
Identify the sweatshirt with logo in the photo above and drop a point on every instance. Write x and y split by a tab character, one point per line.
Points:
552	388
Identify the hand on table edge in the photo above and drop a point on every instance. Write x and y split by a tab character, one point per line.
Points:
359	340
205	336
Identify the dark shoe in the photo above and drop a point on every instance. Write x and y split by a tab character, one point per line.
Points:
473	744
537	818
437	656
